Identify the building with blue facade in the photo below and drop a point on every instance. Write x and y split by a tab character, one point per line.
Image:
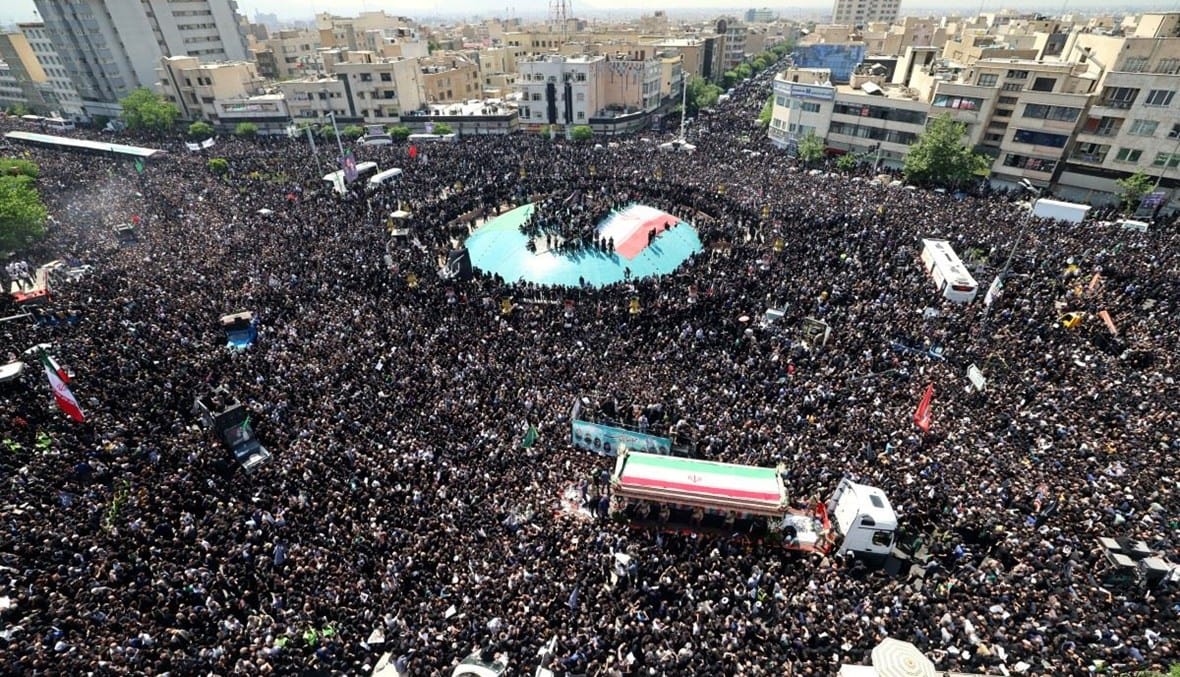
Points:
839	58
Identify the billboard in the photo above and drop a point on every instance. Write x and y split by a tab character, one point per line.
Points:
606	440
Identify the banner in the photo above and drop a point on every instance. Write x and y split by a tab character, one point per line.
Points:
922	415
606	440
348	164
993	291
194	147
976	377
207	143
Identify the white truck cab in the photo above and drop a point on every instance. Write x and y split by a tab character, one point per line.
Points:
865	520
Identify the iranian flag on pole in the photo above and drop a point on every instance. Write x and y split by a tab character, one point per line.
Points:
61	392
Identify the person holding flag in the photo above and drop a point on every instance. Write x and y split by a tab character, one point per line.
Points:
61	392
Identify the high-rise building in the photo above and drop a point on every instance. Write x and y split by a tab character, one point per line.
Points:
65	99
862	12
111	47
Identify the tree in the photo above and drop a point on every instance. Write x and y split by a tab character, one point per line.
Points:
22	215
327	132
246	130
743	71
144	109
701	94
811	148
399	132
218	166
1133	188
581	133
847	162
442	128
200	130
352	132
939	157
18	109
11	166
767	112
759	64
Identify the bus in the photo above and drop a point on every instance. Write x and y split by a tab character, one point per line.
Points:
445	138
951	278
381	178
48	124
335	180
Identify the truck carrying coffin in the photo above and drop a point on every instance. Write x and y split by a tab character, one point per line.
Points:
223	414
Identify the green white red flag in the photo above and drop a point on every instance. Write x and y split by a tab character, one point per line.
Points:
61	392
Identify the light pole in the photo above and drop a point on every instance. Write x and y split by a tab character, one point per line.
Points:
998	283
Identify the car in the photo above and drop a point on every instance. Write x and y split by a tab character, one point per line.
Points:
476	665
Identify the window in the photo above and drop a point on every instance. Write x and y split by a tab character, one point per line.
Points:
987	79
581	115
1039	111
1033	164
1017	75
810	107
366	77
1119	97
1128	155
1037	138
1091	152
536	96
780	100
1134	64
1143	128
1044	84
1012	86
386	77
1170	159
1168	66
1159	97
1175	133
957	102
1007	100
883	538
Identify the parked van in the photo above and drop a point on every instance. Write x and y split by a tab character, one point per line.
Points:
381	178
58	125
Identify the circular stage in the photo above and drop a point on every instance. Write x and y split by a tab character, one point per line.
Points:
499	247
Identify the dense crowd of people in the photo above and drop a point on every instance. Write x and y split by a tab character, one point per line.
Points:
399	497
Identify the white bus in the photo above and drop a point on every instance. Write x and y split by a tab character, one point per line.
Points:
445	138
950	276
335	180
380	178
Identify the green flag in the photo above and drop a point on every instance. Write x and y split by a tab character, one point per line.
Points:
530	438
139	165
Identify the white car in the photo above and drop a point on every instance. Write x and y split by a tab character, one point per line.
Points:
475	666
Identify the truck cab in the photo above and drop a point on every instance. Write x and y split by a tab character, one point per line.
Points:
865	522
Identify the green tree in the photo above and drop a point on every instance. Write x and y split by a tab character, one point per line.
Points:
759	64
218	165
327	132
18	109
811	148
939	157
22	215
11	166
743	71
144	109
247	130
581	133
701	94
352	132
200	130
729	79
1133	188
767	111
399	132
442	128
846	162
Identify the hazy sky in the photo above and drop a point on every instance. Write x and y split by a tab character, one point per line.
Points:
23	10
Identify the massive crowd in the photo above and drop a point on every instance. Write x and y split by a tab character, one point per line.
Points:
399	497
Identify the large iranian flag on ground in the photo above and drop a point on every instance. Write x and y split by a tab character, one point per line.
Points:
725	481
61	392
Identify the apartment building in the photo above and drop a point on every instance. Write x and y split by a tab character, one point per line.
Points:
560	90
377	89
862	12
110	47
64	96
290	52
195	87
876	120
701	56
22	79
314	97
733	35
1133	123
450	78
803	103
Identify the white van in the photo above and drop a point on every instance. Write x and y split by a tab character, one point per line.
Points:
381	178
1131	224
58	125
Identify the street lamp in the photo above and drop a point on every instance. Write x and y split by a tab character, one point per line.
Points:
998	283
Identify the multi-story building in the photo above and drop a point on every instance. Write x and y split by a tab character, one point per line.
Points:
760	16
733	40
1133	123
862	12
292	53
314	97
875	120
560	90
110	47
66	101
377	89
450	78
194	87
702	56
268	112
803	103
22	79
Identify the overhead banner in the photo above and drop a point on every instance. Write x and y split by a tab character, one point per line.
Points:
606	440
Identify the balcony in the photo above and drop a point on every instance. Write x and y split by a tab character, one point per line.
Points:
1091	158
1120	104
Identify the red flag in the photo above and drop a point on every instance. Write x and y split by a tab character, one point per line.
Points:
413	152
922	413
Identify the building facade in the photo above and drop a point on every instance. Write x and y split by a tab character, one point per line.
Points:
450	78
862	12
65	99
23	81
803	103
560	90
195	87
111	47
